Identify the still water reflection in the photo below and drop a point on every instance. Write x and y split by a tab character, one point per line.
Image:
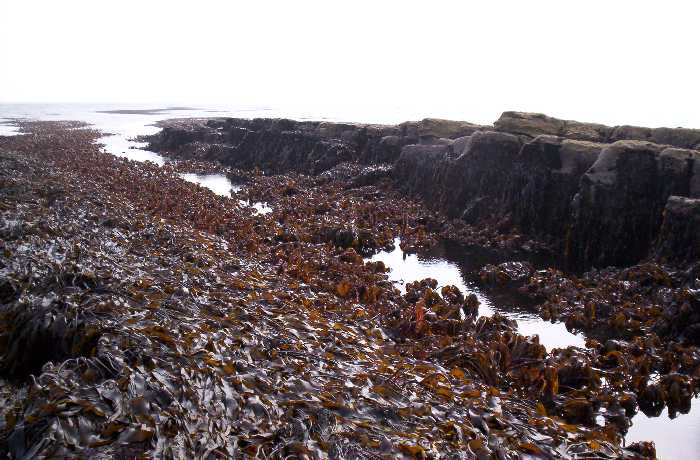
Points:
455	267
217	183
222	185
677	438
452	264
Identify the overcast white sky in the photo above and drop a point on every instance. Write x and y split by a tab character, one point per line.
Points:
614	62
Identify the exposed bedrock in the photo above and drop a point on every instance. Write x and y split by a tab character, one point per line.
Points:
494	174
600	204
463	178
281	145
679	236
601	195
618	210
535	124
546	178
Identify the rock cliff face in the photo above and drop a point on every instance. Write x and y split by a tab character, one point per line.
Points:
603	195
546	179
679	238
280	145
618	211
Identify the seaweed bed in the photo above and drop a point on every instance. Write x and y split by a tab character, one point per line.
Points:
143	315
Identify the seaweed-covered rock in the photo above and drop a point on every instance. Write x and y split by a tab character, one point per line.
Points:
507	273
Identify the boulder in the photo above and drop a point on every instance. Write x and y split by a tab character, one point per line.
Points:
529	124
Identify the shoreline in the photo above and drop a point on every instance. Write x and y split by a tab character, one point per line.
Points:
598	195
170	278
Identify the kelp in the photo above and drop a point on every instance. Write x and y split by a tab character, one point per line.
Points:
145	316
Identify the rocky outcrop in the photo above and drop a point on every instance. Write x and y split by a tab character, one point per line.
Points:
491	174
602	204
429	130
679	236
465	178
420	170
617	213
481	172
535	124
281	145
547	177
600	194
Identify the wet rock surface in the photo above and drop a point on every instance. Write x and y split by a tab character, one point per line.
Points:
191	326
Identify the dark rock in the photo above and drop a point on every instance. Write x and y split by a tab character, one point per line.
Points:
281	145
679	236
419	170
618	210
481	170
548	173
559	181
478	208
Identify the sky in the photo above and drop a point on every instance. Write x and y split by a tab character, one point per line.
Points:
614	62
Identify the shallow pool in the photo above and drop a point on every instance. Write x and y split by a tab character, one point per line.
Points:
217	183
455	270
453	264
